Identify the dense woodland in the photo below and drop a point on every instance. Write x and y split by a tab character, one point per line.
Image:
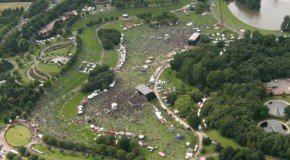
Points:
125	149
236	77
36	7
17	100
99	78
1	1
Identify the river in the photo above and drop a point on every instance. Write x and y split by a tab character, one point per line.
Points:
270	16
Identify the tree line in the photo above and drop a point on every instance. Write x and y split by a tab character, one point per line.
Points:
251	4
106	145
237	78
164	18
23	152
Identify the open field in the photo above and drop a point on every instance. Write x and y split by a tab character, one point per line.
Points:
215	136
232	21
13	5
18	135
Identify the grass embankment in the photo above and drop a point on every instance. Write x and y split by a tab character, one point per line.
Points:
232	21
52	154
13	5
70	108
18	135
215	136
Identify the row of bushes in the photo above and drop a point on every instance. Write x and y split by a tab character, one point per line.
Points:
125	149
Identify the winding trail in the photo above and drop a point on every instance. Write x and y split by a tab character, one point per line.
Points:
200	134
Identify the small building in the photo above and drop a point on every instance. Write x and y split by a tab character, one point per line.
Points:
194	38
69	14
146	92
126	17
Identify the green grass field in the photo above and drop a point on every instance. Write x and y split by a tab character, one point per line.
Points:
215	136
50	69
234	22
13	5
18	135
209	149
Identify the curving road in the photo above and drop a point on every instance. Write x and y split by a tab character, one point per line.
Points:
184	123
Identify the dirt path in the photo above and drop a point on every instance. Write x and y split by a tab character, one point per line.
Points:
200	134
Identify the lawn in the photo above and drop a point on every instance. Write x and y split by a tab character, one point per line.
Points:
13	5
215	136
53	154
91	44
18	135
50	69
232	21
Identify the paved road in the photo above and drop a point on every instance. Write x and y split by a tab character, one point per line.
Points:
184	123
